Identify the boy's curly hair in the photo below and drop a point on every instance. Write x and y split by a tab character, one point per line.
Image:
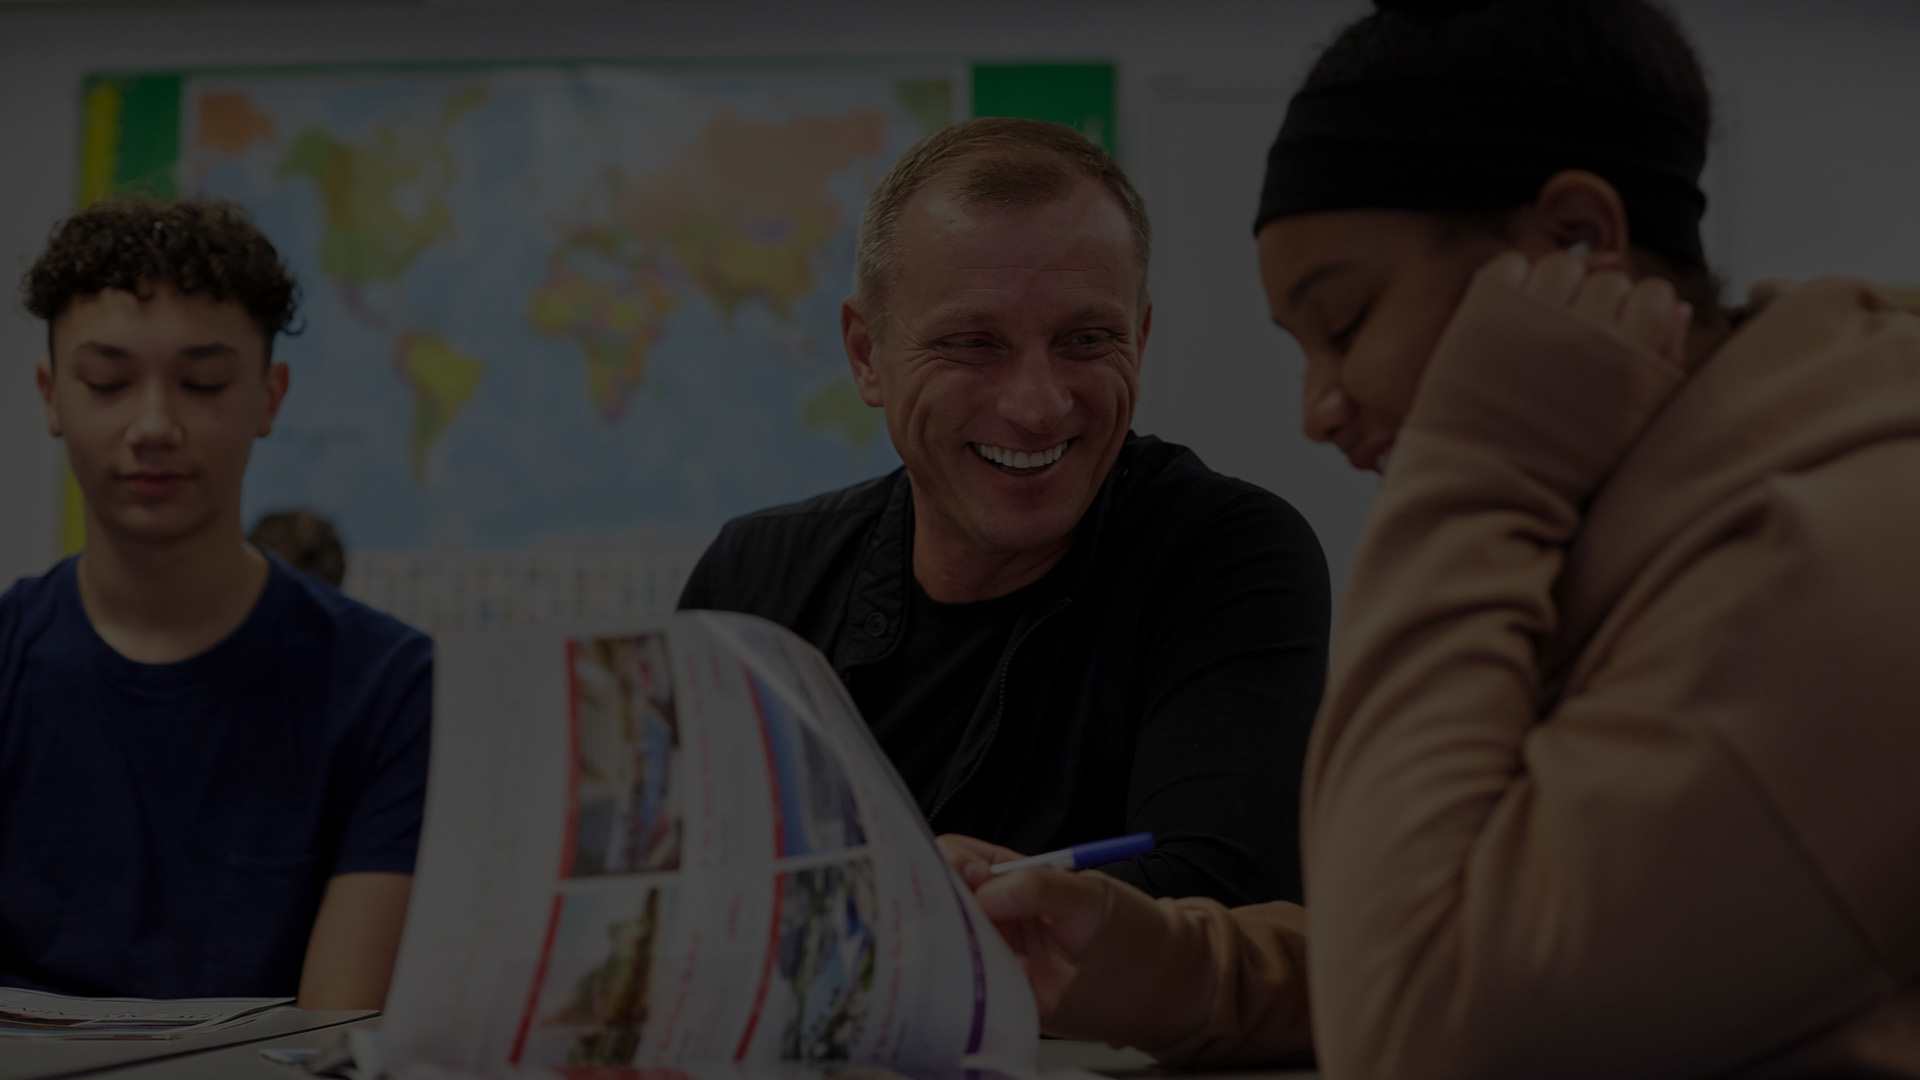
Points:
199	246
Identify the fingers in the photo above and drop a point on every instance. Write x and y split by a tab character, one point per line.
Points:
1655	318
1095	950
1647	316
973	859
1607	260
1596	286
1049	972
1331	411
1766	289
1557	278
1603	296
1509	269
957	848
1073	907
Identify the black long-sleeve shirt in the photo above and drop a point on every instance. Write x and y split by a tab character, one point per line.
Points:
1163	678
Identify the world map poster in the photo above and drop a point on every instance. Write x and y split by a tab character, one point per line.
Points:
553	305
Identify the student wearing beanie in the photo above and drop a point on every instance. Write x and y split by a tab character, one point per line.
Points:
1613	775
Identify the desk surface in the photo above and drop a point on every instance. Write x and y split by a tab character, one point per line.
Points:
1064	1056
243	1061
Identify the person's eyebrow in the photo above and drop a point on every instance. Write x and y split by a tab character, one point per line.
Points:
206	350
1097	314
1307	283
955	319
103	350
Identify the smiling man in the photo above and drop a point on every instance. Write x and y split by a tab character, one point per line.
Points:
211	765
1058	631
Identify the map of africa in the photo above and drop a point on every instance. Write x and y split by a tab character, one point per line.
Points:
546	305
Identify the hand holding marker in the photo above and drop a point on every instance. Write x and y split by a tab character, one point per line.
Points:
1083	856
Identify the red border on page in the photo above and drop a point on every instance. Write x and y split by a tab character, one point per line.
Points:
779	881
566	850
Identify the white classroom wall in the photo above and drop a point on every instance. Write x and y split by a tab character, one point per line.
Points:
1816	171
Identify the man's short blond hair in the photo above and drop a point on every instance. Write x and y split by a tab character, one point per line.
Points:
1007	162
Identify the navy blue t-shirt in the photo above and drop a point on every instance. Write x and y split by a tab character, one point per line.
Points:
168	830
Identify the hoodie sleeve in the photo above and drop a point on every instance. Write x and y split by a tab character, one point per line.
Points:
1656	873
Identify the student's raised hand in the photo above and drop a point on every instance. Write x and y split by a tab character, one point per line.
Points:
1646	312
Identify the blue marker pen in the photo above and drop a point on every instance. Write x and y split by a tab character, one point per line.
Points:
1083	856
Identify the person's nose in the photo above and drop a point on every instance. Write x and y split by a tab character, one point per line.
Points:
1325	407
156	424
1033	396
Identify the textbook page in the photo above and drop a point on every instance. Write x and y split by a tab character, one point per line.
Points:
30	1013
1003	1025
678	845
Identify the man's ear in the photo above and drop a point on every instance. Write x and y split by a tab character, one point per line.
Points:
43	380
1578	207
277	379
857	333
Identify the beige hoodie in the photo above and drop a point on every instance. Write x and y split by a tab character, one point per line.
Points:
1618	772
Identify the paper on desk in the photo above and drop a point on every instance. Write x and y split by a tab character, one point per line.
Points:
32	1014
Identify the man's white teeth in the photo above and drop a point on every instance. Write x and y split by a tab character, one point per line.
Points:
1020	459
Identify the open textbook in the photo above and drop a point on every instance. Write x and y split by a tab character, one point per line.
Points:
679	847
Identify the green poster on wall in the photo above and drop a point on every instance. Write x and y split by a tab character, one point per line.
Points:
1080	96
